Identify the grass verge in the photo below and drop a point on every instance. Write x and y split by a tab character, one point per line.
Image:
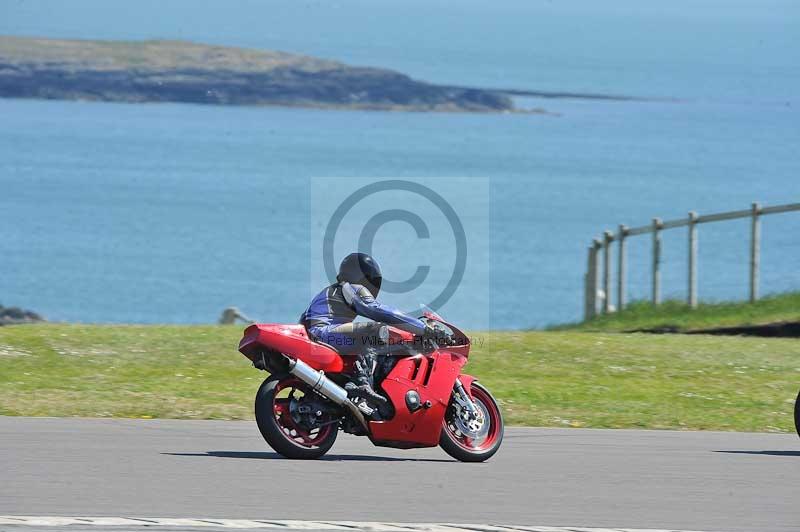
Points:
677	316
541	378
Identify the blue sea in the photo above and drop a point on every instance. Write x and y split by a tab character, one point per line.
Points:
168	213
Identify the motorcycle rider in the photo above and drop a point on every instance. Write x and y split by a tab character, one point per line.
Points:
329	319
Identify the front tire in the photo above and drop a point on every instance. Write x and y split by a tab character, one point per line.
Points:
797	414
278	427
457	443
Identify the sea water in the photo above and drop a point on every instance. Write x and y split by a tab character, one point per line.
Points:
172	212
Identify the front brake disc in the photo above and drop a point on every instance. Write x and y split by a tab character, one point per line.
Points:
475	427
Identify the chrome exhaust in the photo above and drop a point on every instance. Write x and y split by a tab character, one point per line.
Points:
318	381
325	387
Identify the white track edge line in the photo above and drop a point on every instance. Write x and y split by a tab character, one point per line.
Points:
368	526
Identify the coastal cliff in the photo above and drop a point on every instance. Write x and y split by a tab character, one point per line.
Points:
178	71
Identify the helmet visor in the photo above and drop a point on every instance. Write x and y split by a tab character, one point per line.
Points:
373	285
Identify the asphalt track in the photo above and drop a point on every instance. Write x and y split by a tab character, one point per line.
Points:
709	481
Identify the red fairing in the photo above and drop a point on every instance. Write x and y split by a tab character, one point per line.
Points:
292	340
466	381
432	377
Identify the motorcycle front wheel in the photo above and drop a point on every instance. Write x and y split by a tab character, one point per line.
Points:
475	440
797	414
276	405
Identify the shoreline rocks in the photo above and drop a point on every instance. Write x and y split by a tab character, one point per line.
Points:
16	315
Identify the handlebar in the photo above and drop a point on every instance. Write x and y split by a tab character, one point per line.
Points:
438	335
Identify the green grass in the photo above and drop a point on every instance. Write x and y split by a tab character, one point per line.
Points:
541	378
678	316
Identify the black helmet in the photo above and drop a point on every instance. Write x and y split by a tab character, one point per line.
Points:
360	268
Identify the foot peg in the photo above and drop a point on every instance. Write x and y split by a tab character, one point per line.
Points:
366	409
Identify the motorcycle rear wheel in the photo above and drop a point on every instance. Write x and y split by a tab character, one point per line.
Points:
459	445
280	430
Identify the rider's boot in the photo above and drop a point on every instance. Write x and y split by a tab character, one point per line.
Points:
361	385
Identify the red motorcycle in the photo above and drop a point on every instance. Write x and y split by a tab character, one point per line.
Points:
302	405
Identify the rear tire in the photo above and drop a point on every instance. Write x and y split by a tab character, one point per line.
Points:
462	448
276	425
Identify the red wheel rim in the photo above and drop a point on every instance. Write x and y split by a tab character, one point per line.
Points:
491	414
290	429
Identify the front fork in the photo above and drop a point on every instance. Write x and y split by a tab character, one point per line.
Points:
463	399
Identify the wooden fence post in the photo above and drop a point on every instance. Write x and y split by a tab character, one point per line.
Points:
589	292
622	233
656	261
607	238
586	301
692	288
755	249
597	244
590	303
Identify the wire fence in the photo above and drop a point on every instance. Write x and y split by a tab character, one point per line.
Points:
598	278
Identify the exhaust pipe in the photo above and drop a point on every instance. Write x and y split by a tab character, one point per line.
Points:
325	387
